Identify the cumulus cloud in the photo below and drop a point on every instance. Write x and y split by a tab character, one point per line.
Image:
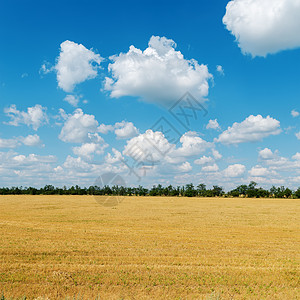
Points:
216	154
276	162
152	146
264	27
185	167
104	129
235	170
266	154
191	145
87	150
125	130
213	124
72	99
252	129
78	127
31	140
298	135
295	113
35	116
204	160
112	159
147	146
259	171
212	168
75	64
159	74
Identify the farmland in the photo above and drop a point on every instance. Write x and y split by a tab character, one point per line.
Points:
149	248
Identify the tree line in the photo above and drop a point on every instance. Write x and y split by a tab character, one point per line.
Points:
189	190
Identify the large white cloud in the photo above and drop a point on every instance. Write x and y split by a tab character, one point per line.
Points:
35	116
252	129
78	127
152	146
75	64
264	26
159	74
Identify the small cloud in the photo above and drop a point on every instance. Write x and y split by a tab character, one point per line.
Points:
220	70
24	75
46	68
185	167
213	124
72	99
295	113
298	135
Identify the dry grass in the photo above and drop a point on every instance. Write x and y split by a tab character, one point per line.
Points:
149	248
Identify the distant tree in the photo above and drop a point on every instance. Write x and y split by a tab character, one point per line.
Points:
190	191
201	190
217	191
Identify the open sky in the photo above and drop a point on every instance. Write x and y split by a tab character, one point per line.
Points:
166	92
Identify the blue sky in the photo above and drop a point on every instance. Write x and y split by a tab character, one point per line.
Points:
76	102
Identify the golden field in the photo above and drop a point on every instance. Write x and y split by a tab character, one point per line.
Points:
55	247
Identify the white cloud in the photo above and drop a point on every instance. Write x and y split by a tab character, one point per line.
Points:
88	149
275	162
264	27
154	147
35	116
235	170
252	129
77	127
216	154
204	160
259	171
295	113
31	140
77	163
9	143
192	145
298	135
159	74
125	130
266	154
33	158
296	156
72	99
213	124
75	64
147	146
212	168
104	129
220	70
113	159
185	167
